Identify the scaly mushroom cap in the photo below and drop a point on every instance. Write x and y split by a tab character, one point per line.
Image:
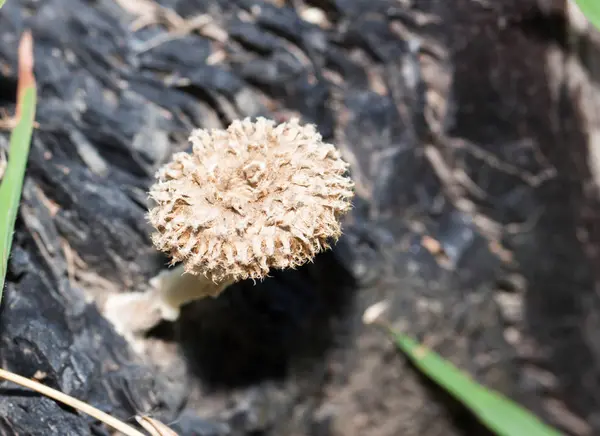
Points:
253	197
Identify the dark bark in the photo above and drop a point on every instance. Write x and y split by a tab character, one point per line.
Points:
469	148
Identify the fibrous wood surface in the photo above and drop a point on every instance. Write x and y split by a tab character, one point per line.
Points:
474	214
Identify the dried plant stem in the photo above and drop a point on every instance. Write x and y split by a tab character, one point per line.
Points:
70	401
154	427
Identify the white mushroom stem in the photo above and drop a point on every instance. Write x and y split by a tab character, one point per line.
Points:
169	291
173	288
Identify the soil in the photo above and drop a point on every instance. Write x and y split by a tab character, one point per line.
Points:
468	127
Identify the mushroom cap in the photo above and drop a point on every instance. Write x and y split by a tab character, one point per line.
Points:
249	198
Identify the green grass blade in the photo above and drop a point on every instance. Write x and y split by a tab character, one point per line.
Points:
12	182
497	412
2	3
20	141
591	9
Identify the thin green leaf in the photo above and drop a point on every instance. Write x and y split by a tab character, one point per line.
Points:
591	9
20	139
494	410
2	3
12	182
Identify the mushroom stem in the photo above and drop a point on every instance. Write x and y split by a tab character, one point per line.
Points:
169	291
173	288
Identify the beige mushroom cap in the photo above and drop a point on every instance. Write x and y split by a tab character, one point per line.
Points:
249	198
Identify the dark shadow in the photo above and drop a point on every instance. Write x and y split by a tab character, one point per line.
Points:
507	101
254	332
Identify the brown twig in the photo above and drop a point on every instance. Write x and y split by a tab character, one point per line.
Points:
70	401
154	427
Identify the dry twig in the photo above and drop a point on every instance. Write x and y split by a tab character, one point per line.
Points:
154	427
70	401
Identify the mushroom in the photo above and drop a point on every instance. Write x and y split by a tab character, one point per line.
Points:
256	196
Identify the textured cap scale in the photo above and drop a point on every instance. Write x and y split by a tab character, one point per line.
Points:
249	198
